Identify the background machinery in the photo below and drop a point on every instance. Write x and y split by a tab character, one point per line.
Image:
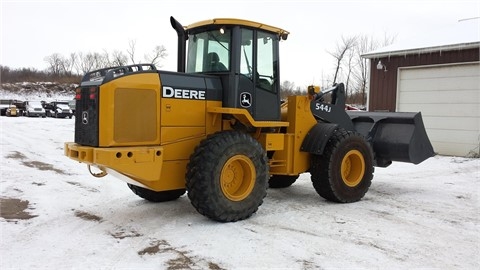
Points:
218	129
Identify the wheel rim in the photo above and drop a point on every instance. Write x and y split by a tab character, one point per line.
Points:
353	168
237	178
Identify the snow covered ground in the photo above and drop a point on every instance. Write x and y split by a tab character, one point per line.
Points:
423	216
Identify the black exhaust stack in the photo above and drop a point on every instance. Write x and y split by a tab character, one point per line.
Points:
182	39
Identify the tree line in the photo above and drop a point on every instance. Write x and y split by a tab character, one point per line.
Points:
348	66
70	68
81	63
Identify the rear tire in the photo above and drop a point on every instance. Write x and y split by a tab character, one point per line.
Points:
281	181
344	172
227	176
157	196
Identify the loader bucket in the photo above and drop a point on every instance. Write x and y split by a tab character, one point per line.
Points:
395	136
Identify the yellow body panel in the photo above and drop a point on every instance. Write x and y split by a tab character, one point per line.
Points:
182	112
292	161
213	122
129	111
182	149
281	162
244	116
272	141
172	176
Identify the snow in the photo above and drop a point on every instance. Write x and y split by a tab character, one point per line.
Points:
414	216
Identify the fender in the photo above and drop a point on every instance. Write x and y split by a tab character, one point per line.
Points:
317	138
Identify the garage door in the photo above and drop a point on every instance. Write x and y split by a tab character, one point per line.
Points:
449	98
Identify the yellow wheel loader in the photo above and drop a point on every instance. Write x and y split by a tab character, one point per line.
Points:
218	130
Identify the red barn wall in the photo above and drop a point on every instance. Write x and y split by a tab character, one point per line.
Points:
383	84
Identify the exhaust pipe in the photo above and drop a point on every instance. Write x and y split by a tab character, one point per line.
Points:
182	39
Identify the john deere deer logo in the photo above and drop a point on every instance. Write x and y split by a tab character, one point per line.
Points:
245	99
85	117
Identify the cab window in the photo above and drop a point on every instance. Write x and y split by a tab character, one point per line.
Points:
209	51
246	54
265	61
261	71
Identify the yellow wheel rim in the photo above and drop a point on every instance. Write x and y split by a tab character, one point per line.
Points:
353	168
237	178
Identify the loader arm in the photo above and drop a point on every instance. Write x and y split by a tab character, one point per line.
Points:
394	136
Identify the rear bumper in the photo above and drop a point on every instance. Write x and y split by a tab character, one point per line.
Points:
140	163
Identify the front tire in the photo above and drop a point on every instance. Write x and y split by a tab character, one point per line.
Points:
344	172
156	196
227	176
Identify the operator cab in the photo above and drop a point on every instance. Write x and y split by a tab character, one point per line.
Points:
244	54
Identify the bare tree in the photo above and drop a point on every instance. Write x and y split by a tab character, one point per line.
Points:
131	50
286	89
54	62
106	60
158	53
72	62
119	58
67	64
342	49
366	44
100	60
86	62
351	68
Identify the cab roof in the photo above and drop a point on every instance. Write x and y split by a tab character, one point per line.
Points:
231	21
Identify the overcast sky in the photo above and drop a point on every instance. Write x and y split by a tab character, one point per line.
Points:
32	30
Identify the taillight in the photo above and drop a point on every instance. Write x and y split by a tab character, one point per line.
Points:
78	93
93	92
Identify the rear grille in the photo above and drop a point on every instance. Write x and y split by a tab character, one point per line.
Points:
86	117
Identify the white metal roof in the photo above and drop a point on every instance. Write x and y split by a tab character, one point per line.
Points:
461	35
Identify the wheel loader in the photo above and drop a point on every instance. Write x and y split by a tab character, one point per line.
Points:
217	129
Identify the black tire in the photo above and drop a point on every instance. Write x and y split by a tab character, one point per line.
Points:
347	184
281	181
227	176
157	196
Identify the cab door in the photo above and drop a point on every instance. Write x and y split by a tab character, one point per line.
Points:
258	88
